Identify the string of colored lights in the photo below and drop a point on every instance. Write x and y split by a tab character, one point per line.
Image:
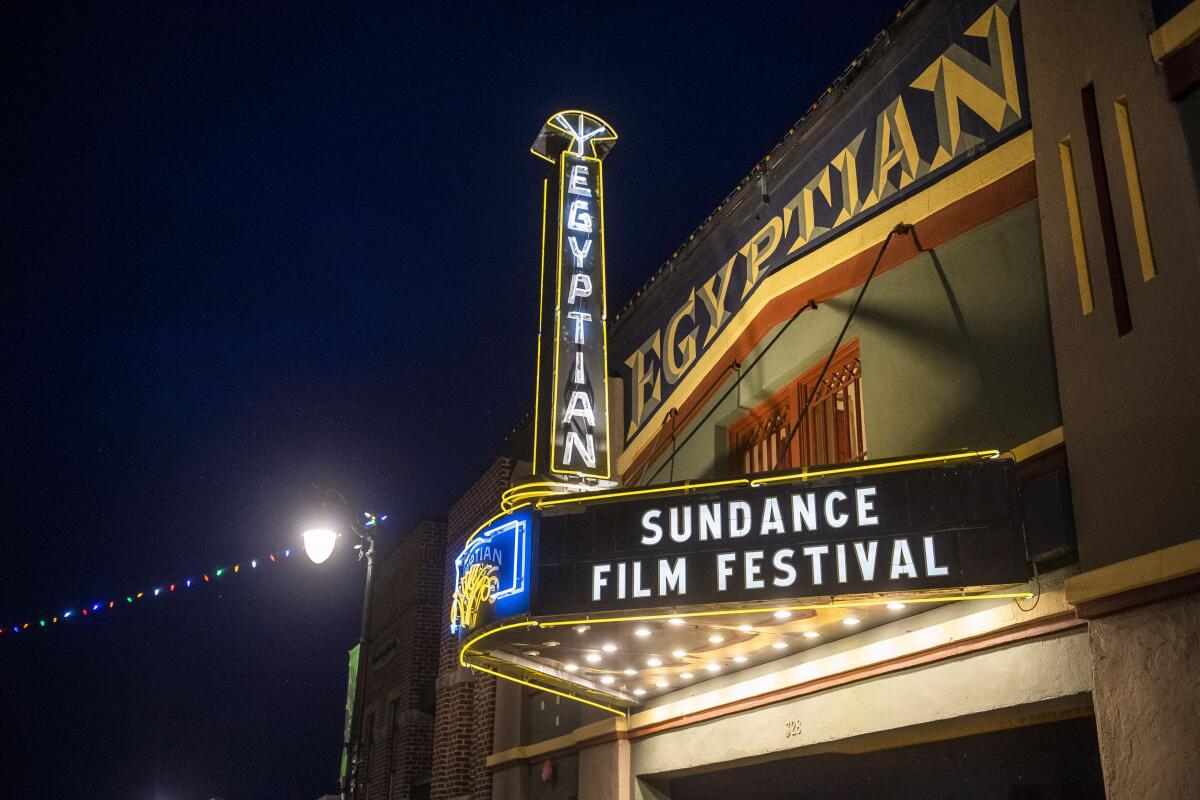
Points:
91	610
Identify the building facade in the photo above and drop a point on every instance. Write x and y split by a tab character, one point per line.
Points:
398	673
971	261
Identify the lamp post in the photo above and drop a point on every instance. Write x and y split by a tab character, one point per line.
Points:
319	541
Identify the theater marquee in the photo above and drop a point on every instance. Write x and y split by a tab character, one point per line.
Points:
737	555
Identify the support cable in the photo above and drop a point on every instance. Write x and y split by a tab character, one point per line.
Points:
901	228
811	304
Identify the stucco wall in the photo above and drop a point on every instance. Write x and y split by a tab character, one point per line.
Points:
1146	664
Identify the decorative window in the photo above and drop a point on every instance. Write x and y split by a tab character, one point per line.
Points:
832	431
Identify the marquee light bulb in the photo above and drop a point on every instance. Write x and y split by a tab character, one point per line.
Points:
783	615
639	691
687	676
318	543
740	659
630	671
716	639
811	634
746	628
609	647
714	667
607	680
654	661
662	684
851	621
780	645
642	632
593	658
676	620
678	654
571	667
895	606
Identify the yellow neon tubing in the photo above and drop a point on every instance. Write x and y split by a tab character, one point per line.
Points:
684	489
537	377
462	651
493	519
807	474
801	607
618	712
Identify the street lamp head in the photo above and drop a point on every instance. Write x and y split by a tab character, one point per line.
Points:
318	543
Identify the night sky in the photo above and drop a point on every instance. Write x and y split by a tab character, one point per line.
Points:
247	248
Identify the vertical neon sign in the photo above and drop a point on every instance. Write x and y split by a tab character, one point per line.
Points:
577	407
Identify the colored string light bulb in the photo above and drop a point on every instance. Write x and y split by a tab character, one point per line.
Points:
156	591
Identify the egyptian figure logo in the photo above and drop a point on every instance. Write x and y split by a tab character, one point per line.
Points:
474	588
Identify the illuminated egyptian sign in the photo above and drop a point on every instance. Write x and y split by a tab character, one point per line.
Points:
889	532
490	574
957	92
576	142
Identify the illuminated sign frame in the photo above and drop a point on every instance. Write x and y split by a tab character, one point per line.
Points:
578	446
503	587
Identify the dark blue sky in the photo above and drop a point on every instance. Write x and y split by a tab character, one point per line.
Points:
246	247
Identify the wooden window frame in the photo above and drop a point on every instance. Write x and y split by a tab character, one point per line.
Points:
756	439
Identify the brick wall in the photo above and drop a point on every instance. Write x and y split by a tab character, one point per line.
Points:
465	700
402	659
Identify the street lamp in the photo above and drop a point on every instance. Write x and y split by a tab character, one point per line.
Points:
318	543
320	537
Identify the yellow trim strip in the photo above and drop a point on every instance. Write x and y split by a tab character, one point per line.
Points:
1037	445
1159	566
1176	33
1075	223
1133	182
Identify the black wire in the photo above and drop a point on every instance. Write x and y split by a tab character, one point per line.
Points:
901	228
741	374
